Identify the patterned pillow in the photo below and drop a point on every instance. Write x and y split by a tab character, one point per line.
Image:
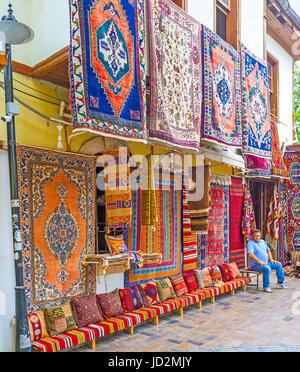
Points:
215	273
178	284
37	325
127	299
151	293
203	278
116	244
165	289
110	304
226	274
190	281
141	295
235	272
60	319
86	310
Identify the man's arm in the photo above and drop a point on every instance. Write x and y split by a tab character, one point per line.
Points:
254	258
271	258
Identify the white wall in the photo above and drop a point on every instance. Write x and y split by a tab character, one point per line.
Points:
286	105
203	11
108	283
252	26
7	269
49	19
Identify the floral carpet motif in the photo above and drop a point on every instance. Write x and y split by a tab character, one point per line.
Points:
222	91
57	214
256	106
175	76
107	67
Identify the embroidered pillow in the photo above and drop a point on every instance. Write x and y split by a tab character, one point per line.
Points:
204	278
86	310
37	325
178	284
151	293
235	272
127	299
110	304
226	274
60	319
165	289
190	281
141	295
215	273
116	244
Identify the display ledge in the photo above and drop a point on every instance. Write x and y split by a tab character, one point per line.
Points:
109	264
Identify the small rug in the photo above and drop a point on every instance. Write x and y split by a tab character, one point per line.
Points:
292	188
257	166
237	245
164	237
57	214
107	68
279	167
248	217
222	103
257	138
175	76
217	243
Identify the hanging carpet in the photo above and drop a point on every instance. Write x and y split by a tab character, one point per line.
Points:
274	216
57	218
222	103
107	68
175	76
216	248
279	167
248	216
292	204
164	237
237	246
256	106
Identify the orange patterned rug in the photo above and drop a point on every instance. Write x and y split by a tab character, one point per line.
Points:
57	212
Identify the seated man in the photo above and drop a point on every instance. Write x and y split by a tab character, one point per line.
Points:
261	260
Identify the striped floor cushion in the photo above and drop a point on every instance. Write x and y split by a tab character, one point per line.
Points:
188	299
165	307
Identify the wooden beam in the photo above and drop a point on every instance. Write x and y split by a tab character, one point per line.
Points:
51	63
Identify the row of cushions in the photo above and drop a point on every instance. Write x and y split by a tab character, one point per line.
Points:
96	308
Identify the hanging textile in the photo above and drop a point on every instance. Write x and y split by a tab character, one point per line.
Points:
279	168
164	237
248	219
57	220
201	250
274	216
222	91
175	76
237	246
148	212
292	190
199	198
257	166
189	238
107	68
118	198
217	242
256	106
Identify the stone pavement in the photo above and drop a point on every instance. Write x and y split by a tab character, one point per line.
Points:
249	321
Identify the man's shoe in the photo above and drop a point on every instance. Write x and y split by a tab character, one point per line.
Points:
281	286
268	290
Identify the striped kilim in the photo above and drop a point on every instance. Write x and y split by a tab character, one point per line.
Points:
237	246
189	237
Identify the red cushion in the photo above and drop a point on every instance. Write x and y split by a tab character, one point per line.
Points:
235	272
127	299
87	311
190	281
226	273
110	304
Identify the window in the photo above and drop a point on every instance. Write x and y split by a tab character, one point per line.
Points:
181	3
273	77
227	21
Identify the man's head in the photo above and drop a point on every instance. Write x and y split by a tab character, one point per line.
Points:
256	235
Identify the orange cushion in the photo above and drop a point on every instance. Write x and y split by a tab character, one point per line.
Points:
235	272
116	244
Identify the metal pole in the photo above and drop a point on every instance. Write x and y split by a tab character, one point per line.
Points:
23	343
